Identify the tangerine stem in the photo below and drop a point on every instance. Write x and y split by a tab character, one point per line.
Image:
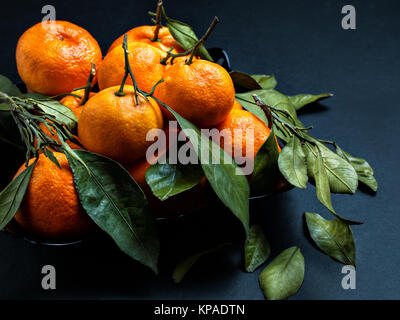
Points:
158	21
89	86
128	71
203	39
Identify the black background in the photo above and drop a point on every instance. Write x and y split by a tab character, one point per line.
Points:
303	44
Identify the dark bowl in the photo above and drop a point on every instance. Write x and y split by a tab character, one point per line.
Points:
220	57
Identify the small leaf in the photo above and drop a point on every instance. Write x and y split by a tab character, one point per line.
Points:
58	110
12	195
284	276
292	163
265	81
333	237
225	177
8	87
364	171
186	264
185	36
301	100
322	183
166	180
116	204
246	101
243	82
256	249
266	168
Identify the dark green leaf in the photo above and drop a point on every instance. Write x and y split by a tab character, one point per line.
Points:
364	171
225	177
265	81
8	87
266	168
117	205
292	163
12	195
243	82
166	180
256	249
341	174
185	36
322	183
284	275
247	102
59	111
186	264
9	131
301	100
334	237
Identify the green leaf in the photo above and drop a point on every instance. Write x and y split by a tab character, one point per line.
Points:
8	87
322	183
333	237
265	81
272	98
266	168
256	249
117	205
341	174
301	100
225	177
248	103
243	82
292	163
58	110
12	195
167	180
364	171
185	36
186	264
284	275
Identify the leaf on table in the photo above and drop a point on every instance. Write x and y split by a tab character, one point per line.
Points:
334	237
265	81
13	194
186	37
293	164
256	249
301	100
167	180
186	264
284	276
364	170
116	204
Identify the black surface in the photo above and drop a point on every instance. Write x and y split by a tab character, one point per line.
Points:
303	44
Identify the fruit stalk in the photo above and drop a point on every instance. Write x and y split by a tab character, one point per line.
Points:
158	21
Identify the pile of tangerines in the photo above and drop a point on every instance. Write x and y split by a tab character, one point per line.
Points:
56	57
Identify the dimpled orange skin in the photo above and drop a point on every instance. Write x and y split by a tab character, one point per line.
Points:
237	106
246	122
74	103
55	60
116	127
201	92
51	207
145	34
144	61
